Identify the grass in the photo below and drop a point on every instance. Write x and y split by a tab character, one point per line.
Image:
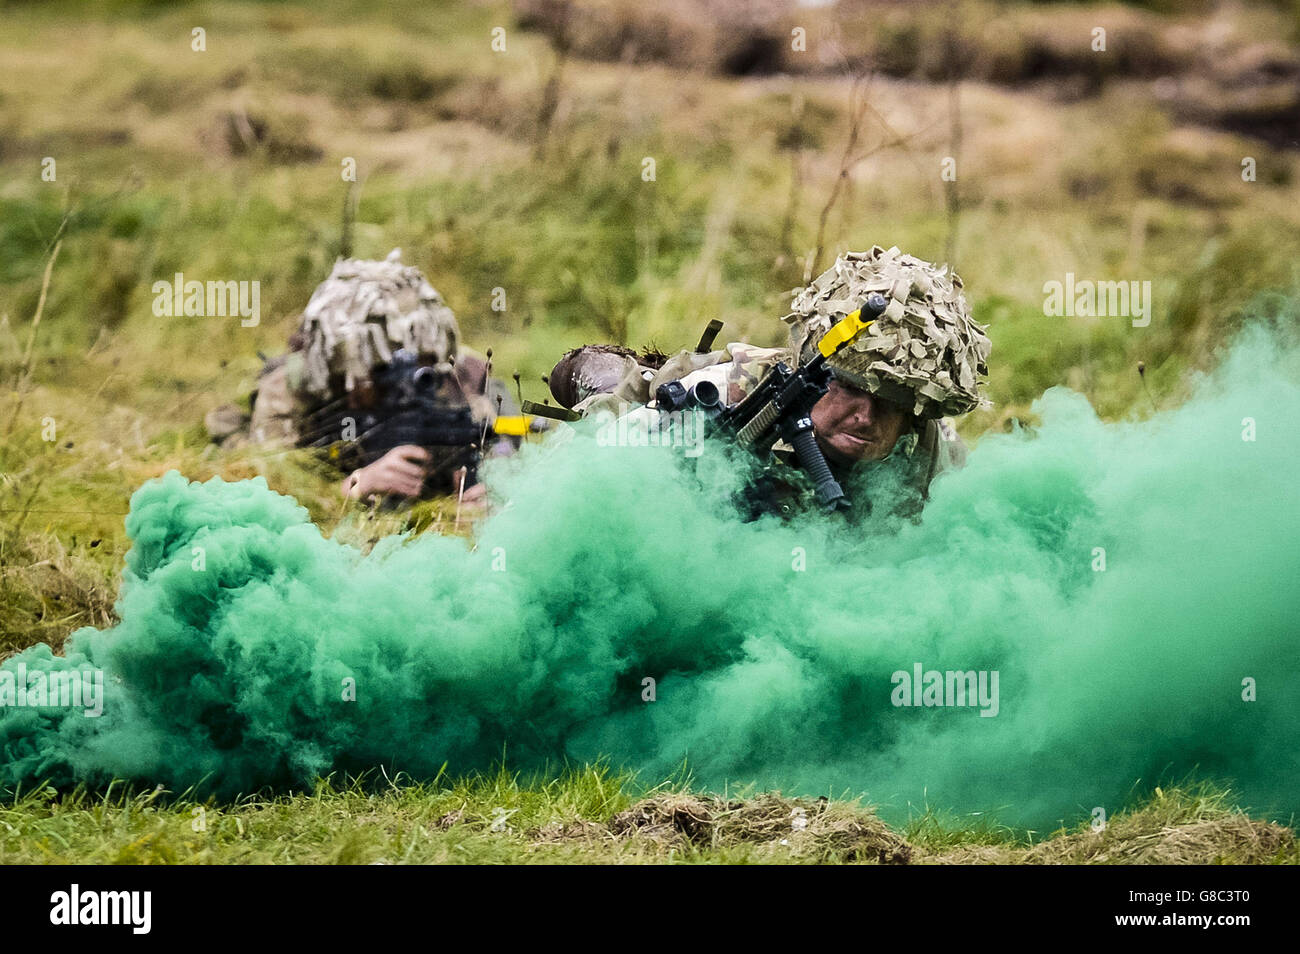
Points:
463	165
593	815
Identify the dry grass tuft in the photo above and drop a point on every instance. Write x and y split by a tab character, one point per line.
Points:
50	590
1235	839
1194	825
802	829
1183	826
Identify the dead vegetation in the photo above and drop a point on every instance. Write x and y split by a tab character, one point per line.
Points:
818	831
1140	839
797	829
1239	76
1234	840
50	590
282	141
731	37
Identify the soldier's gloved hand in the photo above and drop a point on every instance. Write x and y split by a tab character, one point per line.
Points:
400	471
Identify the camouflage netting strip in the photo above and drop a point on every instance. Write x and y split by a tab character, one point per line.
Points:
364	312
924	350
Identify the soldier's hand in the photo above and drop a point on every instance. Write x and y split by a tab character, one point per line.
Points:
473	502
400	471
473	493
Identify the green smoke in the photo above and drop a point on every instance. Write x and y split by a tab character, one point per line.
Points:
773	645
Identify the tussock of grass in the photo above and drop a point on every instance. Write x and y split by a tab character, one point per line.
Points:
777	828
50	590
1195	823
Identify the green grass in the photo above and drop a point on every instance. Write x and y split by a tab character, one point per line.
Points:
501	818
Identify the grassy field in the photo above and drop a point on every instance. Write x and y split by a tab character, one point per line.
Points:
593	816
523	170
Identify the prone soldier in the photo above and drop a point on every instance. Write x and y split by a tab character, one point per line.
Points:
377	378
884	420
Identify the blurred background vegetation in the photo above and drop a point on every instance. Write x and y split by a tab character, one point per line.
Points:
781	134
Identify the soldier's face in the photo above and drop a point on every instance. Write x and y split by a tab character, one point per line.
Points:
853	425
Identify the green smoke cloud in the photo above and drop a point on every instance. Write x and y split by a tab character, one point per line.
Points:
774	646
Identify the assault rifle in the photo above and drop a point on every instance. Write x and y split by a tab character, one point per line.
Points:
780	407
410	410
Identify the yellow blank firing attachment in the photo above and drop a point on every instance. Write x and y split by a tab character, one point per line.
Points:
844	331
514	425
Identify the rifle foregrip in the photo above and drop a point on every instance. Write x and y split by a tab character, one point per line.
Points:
829	493
755	429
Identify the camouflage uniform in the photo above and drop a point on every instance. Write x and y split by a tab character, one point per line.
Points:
280	409
924	352
355	321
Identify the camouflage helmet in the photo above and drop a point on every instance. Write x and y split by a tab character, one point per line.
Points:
363	313
924	352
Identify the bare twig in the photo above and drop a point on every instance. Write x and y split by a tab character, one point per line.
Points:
27	506
349	218
550	104
26	367
1142	373
857	112
951	195
792	203
460	495
902	140
859	109
40	302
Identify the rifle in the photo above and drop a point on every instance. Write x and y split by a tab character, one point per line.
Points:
410	410
780	407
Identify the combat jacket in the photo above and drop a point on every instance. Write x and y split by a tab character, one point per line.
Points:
904	478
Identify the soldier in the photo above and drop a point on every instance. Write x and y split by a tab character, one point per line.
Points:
884	425
376	375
